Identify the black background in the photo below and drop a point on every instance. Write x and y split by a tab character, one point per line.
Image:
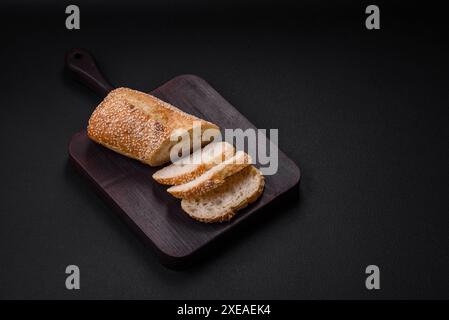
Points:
363	113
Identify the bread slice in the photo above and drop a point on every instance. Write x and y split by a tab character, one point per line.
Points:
212	178
139	125
187	169
222	203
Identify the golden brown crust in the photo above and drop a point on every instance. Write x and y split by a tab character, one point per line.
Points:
229	214
139	125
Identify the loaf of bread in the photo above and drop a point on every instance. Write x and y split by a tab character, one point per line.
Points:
139	125
187	169
222	203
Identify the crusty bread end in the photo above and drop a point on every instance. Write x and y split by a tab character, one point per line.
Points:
139	125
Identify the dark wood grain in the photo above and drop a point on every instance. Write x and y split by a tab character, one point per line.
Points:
145	204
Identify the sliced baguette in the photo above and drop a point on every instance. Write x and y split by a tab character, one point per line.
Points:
212	178
222	203
185	170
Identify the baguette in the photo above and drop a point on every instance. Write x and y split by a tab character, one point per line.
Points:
212	178
222	203
187	169
139	125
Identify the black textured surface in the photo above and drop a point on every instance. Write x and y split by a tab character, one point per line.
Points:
364	114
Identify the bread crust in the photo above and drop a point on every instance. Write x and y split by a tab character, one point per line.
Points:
139	125
231	212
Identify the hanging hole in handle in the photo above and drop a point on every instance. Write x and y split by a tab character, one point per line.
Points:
77	55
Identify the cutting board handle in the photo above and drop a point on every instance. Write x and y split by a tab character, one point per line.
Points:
82	64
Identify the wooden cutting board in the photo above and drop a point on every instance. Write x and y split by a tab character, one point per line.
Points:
127	184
